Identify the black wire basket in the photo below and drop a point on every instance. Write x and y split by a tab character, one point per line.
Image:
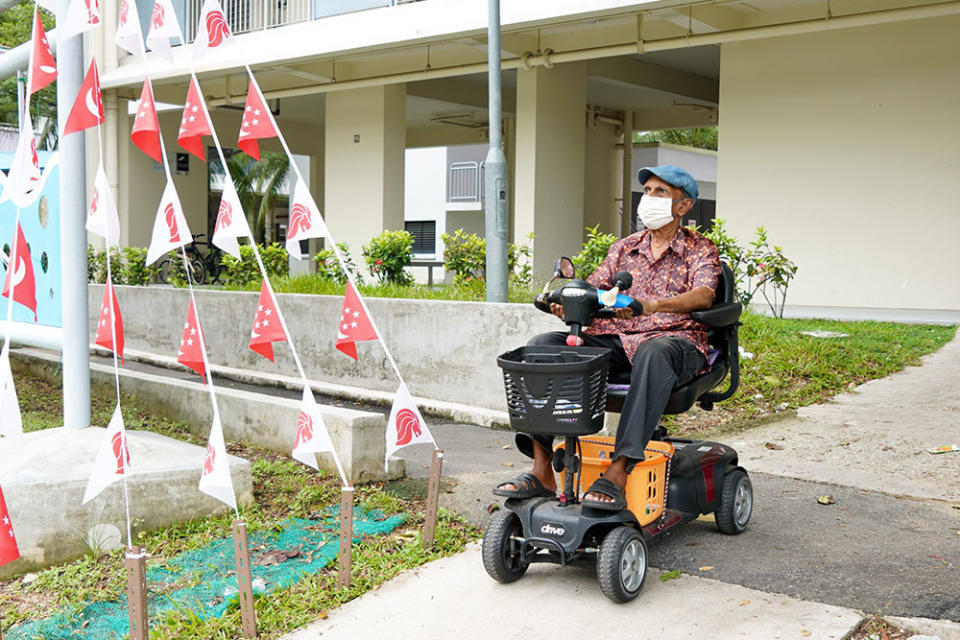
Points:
557	391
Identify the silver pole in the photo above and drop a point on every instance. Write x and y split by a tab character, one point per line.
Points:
495	171
73	239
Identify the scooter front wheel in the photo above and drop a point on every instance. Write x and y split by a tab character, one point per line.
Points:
501	554
622	564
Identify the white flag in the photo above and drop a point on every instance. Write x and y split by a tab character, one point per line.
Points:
163	27
213	31
129	37
405	426
102	216
82	15
11	425
170	230
216	481
231	221
113	458
23	183
312	435
305	220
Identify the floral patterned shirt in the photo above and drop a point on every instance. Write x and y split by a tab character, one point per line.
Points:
689	262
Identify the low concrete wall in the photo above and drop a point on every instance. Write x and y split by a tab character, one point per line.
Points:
446	351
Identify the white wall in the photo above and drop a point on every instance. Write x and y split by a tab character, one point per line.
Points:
844	145
425	186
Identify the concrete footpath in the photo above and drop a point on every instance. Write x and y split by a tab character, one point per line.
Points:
890	544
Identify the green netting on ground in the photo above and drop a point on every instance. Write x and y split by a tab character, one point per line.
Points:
203	581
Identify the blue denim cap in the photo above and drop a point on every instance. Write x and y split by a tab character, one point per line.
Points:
674	176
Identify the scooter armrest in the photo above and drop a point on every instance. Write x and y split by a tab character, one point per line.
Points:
719	315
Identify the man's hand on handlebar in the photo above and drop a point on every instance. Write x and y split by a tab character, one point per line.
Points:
622	314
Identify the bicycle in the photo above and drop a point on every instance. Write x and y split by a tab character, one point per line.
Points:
202	263
211	257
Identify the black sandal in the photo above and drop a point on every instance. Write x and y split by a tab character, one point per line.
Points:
606	488
528	486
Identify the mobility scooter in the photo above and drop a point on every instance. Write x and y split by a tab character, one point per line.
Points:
563	392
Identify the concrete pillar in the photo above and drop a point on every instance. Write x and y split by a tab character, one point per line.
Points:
550	140
601	195
363	174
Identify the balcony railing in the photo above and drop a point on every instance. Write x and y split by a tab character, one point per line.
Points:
466	182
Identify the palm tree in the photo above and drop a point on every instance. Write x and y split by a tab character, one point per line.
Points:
258	184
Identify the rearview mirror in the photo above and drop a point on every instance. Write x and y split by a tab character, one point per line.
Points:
564	268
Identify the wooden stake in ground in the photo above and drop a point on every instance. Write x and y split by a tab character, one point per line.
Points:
433	498
346	536
136	562
241	552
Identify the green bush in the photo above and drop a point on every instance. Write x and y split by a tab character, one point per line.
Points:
97	265
388	255
135	270
593	252
328	267
245	270
465	254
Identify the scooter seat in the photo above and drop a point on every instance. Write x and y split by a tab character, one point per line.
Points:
681	398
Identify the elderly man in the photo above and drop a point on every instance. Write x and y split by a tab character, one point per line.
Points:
675	271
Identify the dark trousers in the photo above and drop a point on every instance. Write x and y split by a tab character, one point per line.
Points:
658	366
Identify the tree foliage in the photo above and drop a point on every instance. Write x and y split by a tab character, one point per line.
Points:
258	185
701	138
15	29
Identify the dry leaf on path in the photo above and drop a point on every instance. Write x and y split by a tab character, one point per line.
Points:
774	446
826	500
706	568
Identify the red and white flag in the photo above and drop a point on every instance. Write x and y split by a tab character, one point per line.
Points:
113	458
355	325
312	435
87	108
102	216
25	179
43	68
190	353
405	426
231	221
170	230
213	31
146	127
305	220
8	542
110	324
215	480
82	15
23	282
11	424
195	123
257	122
129	37
163	27
267	327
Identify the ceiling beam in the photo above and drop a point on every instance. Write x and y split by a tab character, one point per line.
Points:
679	117
630	71
461	92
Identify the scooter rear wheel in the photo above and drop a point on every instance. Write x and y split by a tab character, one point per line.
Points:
736	503
501	555
622	564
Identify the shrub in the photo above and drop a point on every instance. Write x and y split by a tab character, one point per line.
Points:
97	265
135	270
593	252
328	266
465	254
388	255
245	270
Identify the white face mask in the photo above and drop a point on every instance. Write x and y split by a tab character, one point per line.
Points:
655	212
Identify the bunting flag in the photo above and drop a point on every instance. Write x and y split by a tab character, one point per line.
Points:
305	220
355	325
11	424
8	542
24	283
257	123
194	124
405	426
110	323
87	108
215	480
170	230
146	127
267	327
82	15
163	28
24	181
190	353
231	221
129	37
43	68
102	216
213	31
312	434
113	458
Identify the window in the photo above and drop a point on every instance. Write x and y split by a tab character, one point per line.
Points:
424	234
